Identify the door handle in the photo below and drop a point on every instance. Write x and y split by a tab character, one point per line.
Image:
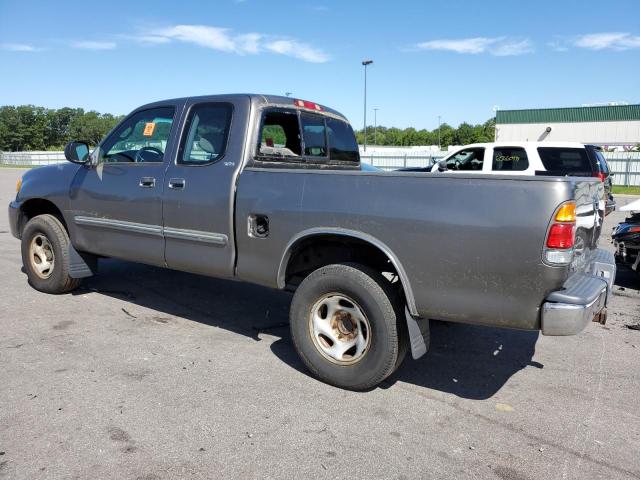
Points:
176	183
147	182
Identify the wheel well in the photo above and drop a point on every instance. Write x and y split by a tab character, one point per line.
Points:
317	251
39	206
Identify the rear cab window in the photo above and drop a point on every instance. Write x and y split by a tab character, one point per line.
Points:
280	135
509	159
565	160
299	137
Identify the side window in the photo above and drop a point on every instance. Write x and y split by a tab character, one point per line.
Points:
280	135
467	159
140	138
342	141
509	159
207	130
565	161
314	135
602	162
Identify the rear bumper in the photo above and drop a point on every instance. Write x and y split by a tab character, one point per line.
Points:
584	296
14	219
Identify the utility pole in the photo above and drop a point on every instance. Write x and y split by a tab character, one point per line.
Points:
439	144
365	63
375	126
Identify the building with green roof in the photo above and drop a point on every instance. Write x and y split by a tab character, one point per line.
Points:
600	125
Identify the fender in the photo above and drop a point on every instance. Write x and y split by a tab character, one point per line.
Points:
404	279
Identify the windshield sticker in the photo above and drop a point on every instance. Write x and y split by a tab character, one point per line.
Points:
149	127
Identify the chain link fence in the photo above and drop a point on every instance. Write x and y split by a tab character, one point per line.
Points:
624	165
30	159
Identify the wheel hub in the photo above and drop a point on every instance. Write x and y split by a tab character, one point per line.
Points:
340	329
41	256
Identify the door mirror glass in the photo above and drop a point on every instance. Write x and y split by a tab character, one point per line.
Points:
77	152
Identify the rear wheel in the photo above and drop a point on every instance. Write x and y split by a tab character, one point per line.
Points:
45	255
347	326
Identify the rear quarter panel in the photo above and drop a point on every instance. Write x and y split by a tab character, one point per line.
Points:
471	245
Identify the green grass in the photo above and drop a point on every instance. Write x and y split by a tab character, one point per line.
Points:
634	190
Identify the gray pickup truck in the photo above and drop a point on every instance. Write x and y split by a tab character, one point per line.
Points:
269	190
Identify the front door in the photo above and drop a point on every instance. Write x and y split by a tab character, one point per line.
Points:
117	202
199	189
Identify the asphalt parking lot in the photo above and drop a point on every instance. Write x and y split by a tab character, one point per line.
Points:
149	374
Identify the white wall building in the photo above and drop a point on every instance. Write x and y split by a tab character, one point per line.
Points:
599	125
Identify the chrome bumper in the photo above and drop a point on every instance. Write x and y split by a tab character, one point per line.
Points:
583	298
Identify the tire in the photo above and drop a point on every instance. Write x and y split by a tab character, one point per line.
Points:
45	255
362	299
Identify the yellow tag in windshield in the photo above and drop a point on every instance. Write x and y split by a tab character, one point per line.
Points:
149	127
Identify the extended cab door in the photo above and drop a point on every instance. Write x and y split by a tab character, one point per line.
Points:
117	201
199	188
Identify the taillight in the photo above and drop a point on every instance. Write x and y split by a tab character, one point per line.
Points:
561	235
600	175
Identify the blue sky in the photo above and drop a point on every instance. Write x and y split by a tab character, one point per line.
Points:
457	59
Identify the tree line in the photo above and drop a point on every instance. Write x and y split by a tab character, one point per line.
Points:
27	127
448	135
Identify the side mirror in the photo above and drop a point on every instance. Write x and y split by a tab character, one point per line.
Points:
77	152
442	165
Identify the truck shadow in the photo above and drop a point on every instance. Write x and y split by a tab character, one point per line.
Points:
468	361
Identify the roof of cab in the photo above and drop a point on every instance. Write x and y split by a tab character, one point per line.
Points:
255	98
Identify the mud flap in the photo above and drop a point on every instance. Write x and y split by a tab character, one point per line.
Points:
419	335
81	265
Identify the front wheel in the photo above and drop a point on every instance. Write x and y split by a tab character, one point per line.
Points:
45	255
347	326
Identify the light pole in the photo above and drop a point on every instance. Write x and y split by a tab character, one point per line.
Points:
365	63
439	147
375	126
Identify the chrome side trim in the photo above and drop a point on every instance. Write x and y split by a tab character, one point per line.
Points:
144	228
217	239
196	235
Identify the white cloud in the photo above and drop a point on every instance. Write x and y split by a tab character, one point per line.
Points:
510	48
611	40
297	50
202	35
465	45
148	39
90	45
224	40
19	47
498	46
